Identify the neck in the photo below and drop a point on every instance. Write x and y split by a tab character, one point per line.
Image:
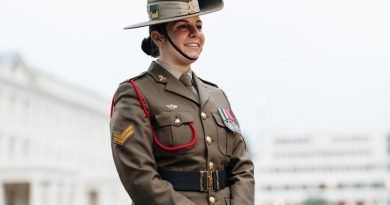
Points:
179	66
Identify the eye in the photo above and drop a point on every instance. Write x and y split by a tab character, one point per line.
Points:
199	27
182	26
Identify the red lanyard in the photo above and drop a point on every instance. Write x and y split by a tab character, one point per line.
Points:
154	134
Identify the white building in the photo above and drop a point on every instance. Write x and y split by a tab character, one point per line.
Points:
54	142
342	169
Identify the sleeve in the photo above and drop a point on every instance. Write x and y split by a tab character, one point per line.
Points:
132	149
240	172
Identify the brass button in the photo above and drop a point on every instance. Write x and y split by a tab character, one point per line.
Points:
211	165
212	200
203	115
177	121
209	140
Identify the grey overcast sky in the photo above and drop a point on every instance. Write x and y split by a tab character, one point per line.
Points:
288	67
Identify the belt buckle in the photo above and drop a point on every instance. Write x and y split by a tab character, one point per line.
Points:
202	174
209	181
216	181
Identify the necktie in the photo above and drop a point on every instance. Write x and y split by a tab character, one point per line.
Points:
186	80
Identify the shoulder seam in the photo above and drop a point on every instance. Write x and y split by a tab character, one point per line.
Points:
208	82
134	78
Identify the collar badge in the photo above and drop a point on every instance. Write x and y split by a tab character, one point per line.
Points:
161	78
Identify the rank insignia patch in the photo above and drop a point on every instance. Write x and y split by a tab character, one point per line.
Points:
228	119
121	138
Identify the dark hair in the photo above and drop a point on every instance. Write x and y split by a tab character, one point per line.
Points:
147	45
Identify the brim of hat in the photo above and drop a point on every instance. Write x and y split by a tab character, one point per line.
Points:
201	12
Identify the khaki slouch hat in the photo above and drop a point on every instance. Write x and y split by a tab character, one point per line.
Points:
162	11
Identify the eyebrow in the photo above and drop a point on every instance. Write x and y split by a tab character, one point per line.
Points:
185	21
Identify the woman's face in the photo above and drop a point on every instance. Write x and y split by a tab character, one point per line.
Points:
187	35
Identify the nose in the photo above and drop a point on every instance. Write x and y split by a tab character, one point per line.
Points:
194	32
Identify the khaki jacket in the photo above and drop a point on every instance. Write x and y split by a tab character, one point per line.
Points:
172	107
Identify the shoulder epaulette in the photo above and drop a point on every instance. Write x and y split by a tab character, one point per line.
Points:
209	83
135	77
139	76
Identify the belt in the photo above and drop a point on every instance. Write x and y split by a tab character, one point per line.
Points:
202	181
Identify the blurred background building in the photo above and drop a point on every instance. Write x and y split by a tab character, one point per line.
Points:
54	141
336	169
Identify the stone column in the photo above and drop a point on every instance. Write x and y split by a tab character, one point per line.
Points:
60	194
37	193
104	194
79	193
3	148
51	193
65	195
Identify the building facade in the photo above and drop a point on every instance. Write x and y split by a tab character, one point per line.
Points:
346	169
54	141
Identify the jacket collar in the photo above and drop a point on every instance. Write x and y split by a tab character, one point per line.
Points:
161	75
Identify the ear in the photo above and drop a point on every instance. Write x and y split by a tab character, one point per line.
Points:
158	39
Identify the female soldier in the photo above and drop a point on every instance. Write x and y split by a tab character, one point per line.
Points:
175	140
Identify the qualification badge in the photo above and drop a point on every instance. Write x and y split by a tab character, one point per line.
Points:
228	119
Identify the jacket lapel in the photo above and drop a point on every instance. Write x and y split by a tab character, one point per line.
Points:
171	83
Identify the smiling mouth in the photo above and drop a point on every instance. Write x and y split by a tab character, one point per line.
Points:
192	45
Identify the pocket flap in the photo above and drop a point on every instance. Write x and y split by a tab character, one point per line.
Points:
173	118
218	119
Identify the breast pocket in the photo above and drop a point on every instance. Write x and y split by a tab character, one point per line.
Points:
225	136
175	132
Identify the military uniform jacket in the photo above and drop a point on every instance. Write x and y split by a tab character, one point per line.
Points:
172	107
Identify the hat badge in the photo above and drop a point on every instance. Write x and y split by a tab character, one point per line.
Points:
153	11
191	7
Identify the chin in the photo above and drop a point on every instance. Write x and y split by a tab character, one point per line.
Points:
193	54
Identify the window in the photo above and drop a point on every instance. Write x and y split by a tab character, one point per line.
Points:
93	198
11	147
26	148
16	193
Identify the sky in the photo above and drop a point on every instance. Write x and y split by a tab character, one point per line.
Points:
288	67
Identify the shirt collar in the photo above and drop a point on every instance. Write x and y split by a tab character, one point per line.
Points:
174	72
